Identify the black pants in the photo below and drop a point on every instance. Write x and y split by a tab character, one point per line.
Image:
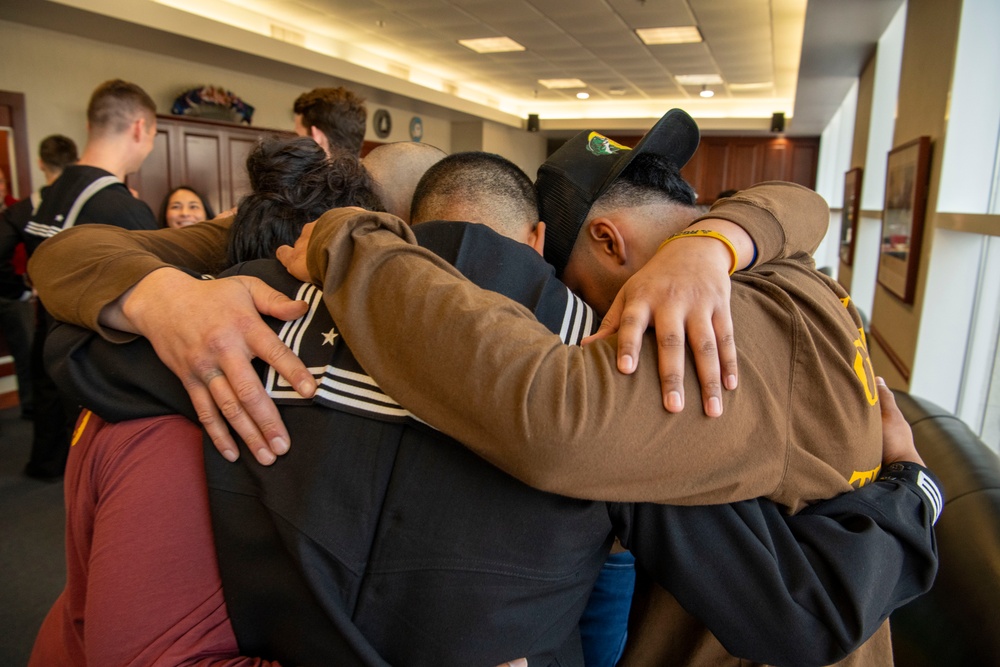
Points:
17	320
54	416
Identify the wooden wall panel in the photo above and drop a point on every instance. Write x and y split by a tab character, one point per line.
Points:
5	154
741	165
209	156
805	160
16	119
203	165
774	162
152	182
707	171
734	162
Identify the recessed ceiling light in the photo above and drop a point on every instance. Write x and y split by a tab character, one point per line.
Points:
705	92
687	34
491	45
751	86
562	83
698	79
583	96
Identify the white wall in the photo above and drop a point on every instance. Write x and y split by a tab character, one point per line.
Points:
889	58
58	72
523	148
835	147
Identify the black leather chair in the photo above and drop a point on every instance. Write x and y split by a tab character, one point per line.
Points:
958	621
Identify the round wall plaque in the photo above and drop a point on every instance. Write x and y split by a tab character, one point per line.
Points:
416	129
382	123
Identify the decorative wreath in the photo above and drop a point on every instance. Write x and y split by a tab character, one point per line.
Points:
212	102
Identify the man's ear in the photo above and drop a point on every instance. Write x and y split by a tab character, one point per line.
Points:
608	237
138	129
536	239
320	138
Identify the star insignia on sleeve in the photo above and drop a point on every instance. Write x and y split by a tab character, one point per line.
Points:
330	337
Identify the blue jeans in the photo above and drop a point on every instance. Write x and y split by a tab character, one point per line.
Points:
604	624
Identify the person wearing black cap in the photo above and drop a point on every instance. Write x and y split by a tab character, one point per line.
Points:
608	210
442	489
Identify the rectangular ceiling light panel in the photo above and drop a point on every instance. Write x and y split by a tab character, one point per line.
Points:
687	34
491	45
562	83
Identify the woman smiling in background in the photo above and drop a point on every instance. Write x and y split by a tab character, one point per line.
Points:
184	206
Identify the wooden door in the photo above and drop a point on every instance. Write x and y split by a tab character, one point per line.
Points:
13	122
209	156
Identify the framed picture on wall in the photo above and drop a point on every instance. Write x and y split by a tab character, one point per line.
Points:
906	177
849	217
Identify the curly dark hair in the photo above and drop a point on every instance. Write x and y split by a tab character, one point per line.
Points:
294	182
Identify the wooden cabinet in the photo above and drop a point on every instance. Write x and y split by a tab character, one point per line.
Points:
210	156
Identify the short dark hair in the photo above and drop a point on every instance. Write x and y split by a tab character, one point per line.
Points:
205	204
649	178
294	182
488	183
338	113
57	152
115	104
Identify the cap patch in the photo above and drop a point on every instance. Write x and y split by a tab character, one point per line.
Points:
598	144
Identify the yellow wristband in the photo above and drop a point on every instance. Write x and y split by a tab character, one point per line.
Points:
689	233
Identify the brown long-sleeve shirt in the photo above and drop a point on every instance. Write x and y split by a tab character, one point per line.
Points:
803	425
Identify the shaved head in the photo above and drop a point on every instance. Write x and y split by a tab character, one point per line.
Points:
481	187
396	169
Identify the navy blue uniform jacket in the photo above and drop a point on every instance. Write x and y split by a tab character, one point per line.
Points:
377	540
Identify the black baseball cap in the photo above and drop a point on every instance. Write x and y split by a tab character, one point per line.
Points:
583	168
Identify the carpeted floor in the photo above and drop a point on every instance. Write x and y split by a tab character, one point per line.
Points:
32	561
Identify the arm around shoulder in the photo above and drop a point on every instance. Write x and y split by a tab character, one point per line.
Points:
81	270
782	218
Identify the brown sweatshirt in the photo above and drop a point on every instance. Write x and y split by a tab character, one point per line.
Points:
802	426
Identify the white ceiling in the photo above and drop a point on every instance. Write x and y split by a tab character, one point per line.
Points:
592	40
754	46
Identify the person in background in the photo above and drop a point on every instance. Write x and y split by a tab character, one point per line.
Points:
415	460
483	188
184	206
608	210
136	500
397	168
55	153
334	117
121	129
293	183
